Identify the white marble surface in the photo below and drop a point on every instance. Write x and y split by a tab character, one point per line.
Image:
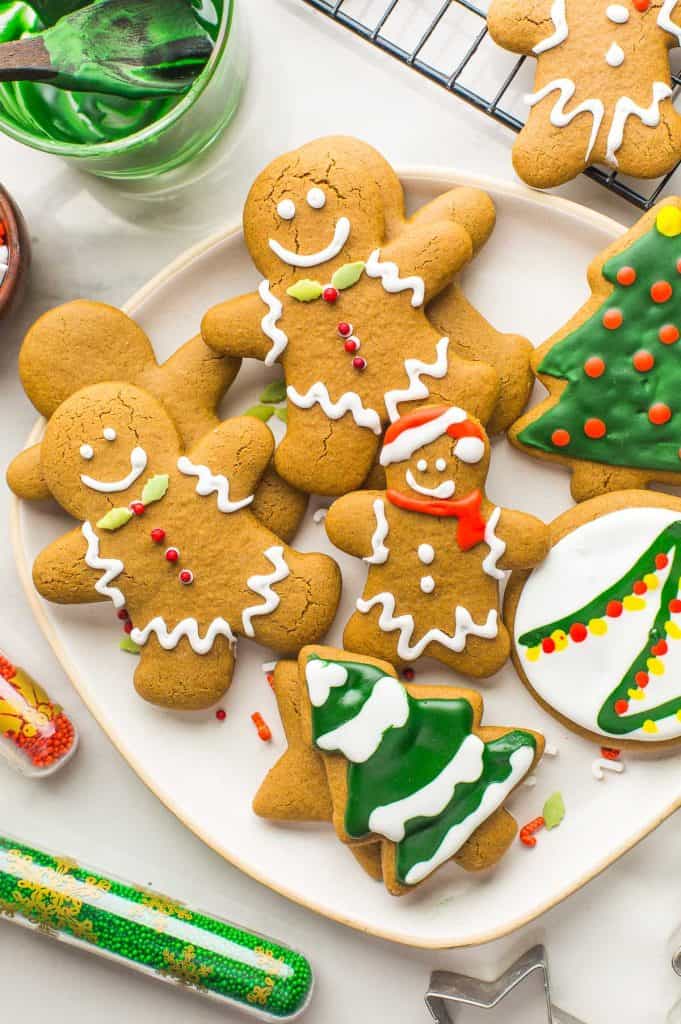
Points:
609	944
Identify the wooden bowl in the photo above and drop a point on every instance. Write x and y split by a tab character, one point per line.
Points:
18	244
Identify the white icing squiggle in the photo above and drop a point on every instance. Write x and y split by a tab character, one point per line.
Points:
111	567
312	259
415	438
464	627
268	323
262	586
497	547
318	394
625	108
559	118
601	764
321	677
560	26
361	736
212	483
389	274
417	390
664	19
170	638
138	463
378	547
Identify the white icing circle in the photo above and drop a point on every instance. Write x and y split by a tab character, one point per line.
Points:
109	434
316	199
426	553
469	449
87	451
427	584
617	13
615	55
441	465
422	465
286	209
577	681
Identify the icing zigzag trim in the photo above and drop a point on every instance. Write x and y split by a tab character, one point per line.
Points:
268	323
210	483
262	586
169	639
318	394
378	546
560	118
111	567
497	547
389	274
417	389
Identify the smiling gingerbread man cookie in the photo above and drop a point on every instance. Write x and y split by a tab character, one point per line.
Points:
436	547
343	305
170	538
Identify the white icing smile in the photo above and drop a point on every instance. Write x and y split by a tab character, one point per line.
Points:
138	463
312	259
444	490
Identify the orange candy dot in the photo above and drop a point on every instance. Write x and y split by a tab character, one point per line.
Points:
643	361
594	428
661	291
560	438
668	334
659	413
594	367
626	276
642	5
612	319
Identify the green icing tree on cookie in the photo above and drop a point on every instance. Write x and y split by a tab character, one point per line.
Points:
622	402
417	772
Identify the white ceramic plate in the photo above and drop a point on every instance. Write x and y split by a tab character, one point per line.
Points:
530	278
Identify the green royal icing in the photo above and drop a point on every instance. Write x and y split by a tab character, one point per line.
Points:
622	396
115	519
409	758
347	275
155	488
669	540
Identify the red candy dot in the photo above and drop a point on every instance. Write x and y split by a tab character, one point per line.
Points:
560	438
669	334
675	606
594	367
548	645
158	535
128	627
351	345
660	648
359	363
123	615
641	679
577	632
661	291
614	609
612	319
661	561
408	674
642	5
186	577
643	361
640	587
344	329
594	428
330	294
626	276
137	507
659	413
621	707
172	555
221	714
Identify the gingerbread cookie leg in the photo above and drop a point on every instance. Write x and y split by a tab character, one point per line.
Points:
182	679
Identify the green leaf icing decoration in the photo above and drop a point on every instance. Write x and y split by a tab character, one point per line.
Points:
129	646
155	488
305	290
347	275
554	810
260	412
281	414
114	519
274	393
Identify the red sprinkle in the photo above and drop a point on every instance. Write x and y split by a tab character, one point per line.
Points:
661	561
527	831
261	725
661	291
351	345
344	329
560	438
359	363
578	632
7	669
548	645
621	707
610	753
675	605
128	627
614	609
330	294
122	615
626	276
640	587
158	535
220	714
408	674
270	678
172	555
660	648
186	577
612	319
137	507
642	679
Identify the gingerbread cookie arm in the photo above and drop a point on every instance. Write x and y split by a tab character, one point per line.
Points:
25	476
526	539
470	207
242	443
522	27
356	523
244	327
422	259
65	573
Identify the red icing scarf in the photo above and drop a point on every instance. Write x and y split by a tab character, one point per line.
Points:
471	526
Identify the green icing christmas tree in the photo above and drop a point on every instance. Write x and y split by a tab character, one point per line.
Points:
410	756
622	402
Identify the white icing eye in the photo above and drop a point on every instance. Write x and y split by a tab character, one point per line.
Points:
617	13
316	199
422	465
87	452
109	434
469	449
286	209
441	465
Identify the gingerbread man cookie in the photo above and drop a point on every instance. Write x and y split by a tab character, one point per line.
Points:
169	537
435	546
370	732
83	343
603	88
343	305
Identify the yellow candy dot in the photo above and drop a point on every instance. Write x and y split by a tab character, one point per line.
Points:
668	221
560	639
633	603
649	726
532	653
678	715
636	694
655	666
673	630
651	581
598	627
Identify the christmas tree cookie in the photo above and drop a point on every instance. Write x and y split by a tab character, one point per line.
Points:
613	414
342	306
597	627
169	537
435	546
408	767
603	87
83	343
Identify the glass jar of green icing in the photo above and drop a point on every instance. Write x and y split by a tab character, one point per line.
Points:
115	137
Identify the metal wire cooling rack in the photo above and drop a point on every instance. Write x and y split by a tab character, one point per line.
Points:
447	41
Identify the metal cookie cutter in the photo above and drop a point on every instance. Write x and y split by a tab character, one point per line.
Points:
448	991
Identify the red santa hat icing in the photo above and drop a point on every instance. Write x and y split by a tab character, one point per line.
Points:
415	430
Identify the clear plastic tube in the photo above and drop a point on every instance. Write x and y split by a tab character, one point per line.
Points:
36	735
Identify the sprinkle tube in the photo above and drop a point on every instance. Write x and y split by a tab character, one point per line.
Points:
37	737
151	933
